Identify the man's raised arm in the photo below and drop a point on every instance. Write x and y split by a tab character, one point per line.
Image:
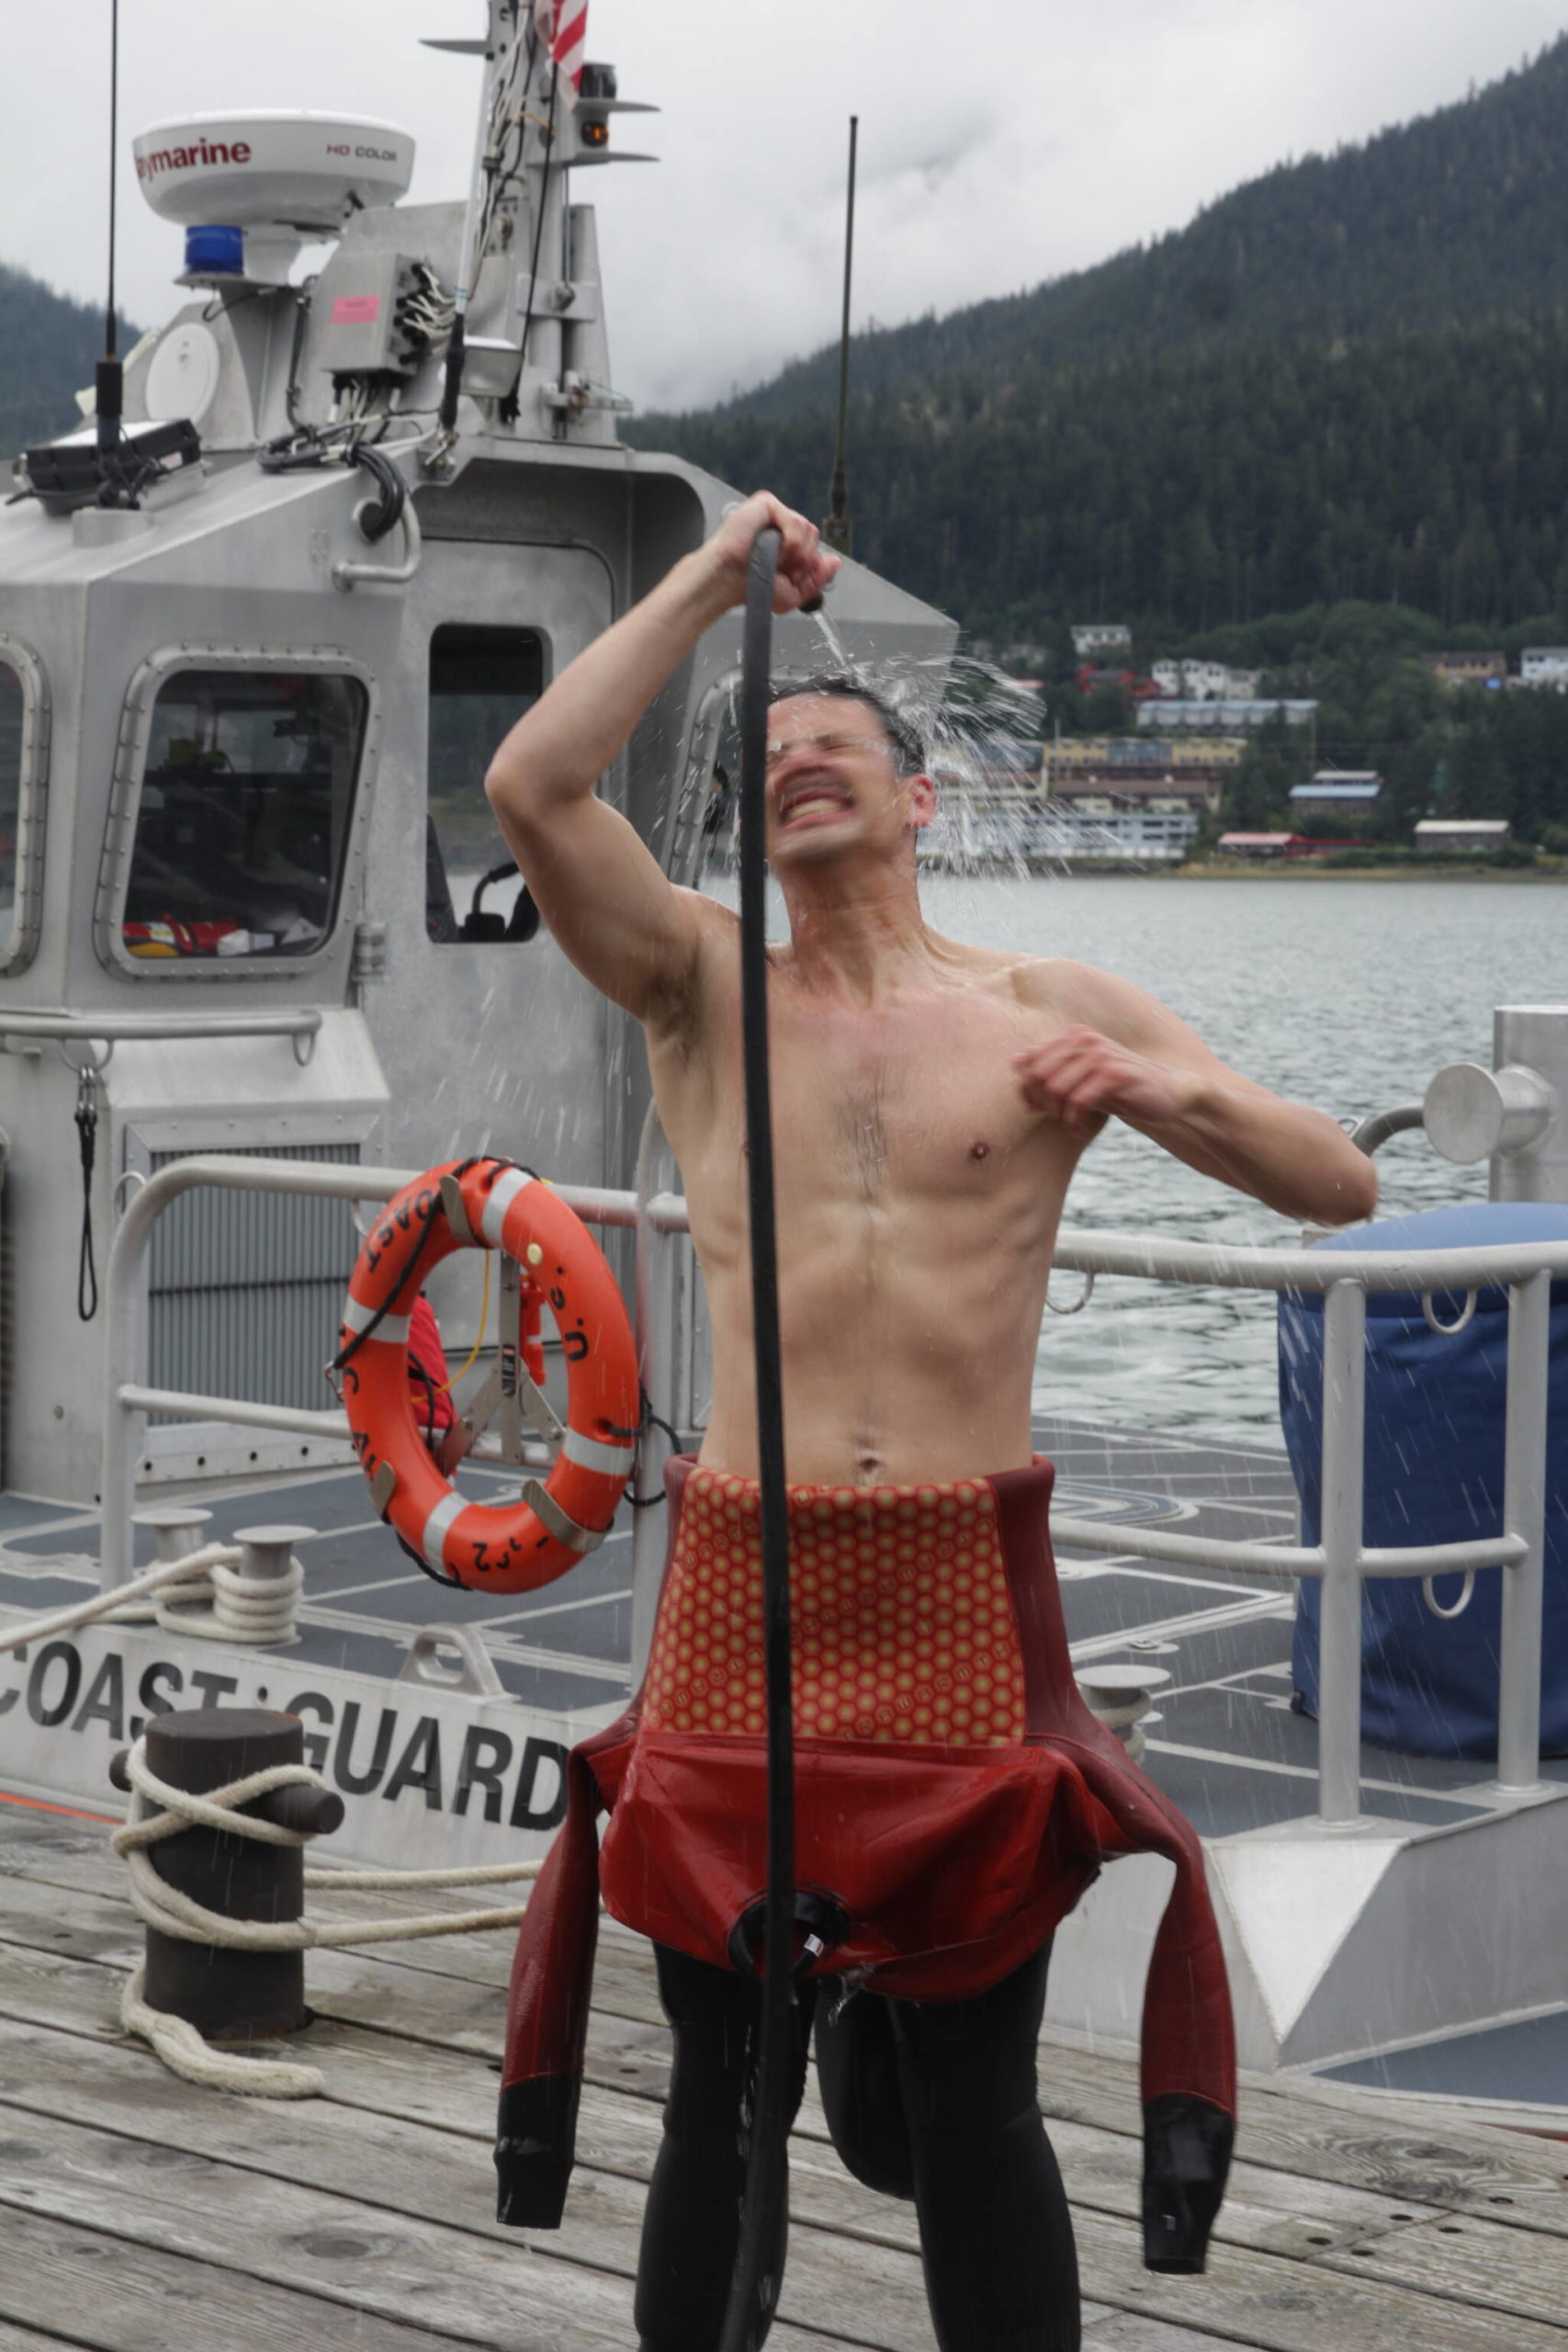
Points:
1122	1054
623	923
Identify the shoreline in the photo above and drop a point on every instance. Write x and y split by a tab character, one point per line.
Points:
1308	870
1554	874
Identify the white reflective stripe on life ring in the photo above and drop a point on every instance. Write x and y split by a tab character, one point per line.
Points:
435	1527
394	1328
502	1193
593	1454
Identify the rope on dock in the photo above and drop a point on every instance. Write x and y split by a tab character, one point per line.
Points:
160	1811
205	1594
138	1596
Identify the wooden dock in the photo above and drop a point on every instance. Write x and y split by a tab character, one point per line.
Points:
136	2212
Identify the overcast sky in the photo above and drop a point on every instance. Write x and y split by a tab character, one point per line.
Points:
1001	142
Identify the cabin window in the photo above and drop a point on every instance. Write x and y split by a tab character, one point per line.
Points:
481	681
24	737
243	818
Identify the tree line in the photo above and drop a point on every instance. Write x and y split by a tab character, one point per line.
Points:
48	349
1179	492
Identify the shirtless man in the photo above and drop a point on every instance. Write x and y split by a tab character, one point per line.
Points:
930	1100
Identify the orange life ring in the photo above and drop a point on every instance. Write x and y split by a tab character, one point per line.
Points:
496	1205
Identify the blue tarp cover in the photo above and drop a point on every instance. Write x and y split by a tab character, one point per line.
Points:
1434	1464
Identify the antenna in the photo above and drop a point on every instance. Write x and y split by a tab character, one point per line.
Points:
108	378
500	49
837	529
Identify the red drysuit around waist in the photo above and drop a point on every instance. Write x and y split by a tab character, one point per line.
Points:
954	1795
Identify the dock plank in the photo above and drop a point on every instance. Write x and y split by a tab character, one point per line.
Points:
868	2292
111	2295
619	2131
1470	2260
352	2256
471	2277
1278	2306
1316	2131
365	2215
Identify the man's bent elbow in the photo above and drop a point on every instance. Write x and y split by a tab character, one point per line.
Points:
507	790
1350	1196
501	787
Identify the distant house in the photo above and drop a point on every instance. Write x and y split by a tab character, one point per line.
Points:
1456	836
1254	844
1467	669
1184	764
1545	665
1204	682
1090	825
1228	716
1341	792
1102	637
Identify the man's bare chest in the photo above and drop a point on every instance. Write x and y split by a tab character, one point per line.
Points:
898	1102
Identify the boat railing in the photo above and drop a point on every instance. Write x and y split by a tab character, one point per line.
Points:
126	1399
106	1030
1340	1560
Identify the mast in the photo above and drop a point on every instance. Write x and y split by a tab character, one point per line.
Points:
498	47
108	377
837	528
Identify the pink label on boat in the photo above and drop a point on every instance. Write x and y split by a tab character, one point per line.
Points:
357	310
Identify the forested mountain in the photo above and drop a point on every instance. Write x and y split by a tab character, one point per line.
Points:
1343	381
48	347
1321	430
1454	216
1179	492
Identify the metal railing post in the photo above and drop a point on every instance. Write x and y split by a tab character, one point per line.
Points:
656	1324
1340	1638
656	1332
124	1298
1524	1514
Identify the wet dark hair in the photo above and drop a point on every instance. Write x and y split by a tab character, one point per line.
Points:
904	741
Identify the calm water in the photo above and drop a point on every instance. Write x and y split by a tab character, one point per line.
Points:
1349	996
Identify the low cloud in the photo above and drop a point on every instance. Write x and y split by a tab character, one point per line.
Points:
998	148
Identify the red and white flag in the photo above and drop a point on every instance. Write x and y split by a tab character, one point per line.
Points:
562	26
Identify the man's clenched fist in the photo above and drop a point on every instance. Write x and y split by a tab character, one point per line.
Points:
1082	1077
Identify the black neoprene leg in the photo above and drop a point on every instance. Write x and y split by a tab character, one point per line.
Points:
996	2236
693	2225
857	2067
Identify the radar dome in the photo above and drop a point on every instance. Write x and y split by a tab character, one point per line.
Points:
295	170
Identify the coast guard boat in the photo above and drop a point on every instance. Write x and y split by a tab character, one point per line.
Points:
263	956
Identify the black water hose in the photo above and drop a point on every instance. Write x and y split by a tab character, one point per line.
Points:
752	2291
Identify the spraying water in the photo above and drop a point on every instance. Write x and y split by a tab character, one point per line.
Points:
982	731
831	639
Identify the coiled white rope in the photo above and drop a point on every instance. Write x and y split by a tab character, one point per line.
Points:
239	1608
195	1570
160	1811
205	1594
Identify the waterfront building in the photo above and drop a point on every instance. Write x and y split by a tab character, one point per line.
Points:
1228	716
1205	681
1257	845
1467	669
1202	758
1102	637
1462	836
1342	792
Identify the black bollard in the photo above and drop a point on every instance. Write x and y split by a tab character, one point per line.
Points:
222	1991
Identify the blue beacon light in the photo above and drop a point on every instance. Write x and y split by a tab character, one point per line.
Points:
221	251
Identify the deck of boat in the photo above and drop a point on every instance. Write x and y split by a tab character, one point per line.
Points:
136	2210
